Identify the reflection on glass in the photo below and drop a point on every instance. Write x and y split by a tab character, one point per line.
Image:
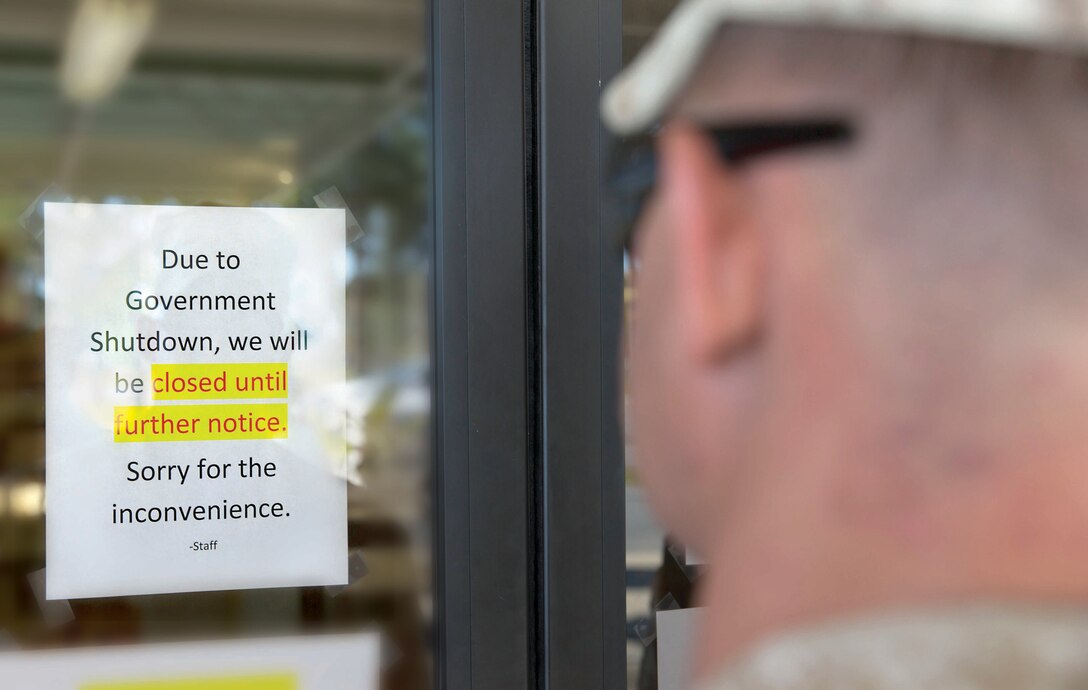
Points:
658	577
240	103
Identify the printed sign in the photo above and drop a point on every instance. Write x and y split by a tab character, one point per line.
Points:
327	662
194	357
675	640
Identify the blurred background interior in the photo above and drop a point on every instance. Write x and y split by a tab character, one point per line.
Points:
254	102
660	573
233	102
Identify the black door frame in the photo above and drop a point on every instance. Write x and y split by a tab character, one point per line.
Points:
527	302
581	284
482	600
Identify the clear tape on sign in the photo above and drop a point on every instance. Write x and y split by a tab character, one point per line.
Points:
332	198
646	631
687	561
56	612
33	218
347	468
677	552
667	603
357	570
646	628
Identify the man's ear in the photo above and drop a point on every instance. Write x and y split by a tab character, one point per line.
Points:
719	252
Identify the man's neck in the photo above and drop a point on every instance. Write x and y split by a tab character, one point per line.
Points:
787	568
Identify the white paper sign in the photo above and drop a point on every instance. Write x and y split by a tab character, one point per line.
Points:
675	639
327	662
193	361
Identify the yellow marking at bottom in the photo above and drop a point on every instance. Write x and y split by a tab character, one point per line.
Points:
268	681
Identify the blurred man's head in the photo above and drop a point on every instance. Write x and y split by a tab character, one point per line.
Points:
889	335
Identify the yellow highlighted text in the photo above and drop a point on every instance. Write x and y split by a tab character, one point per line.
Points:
143	423
245	381
274	681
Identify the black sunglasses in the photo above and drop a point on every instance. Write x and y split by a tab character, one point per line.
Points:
634	169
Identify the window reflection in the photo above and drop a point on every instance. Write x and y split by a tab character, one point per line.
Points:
658	574
230	102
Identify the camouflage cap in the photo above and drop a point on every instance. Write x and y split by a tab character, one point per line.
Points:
641	94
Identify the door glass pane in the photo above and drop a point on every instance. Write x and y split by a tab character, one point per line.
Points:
242	103
660	574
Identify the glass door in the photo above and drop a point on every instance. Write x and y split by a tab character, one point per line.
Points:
290	104
661	573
